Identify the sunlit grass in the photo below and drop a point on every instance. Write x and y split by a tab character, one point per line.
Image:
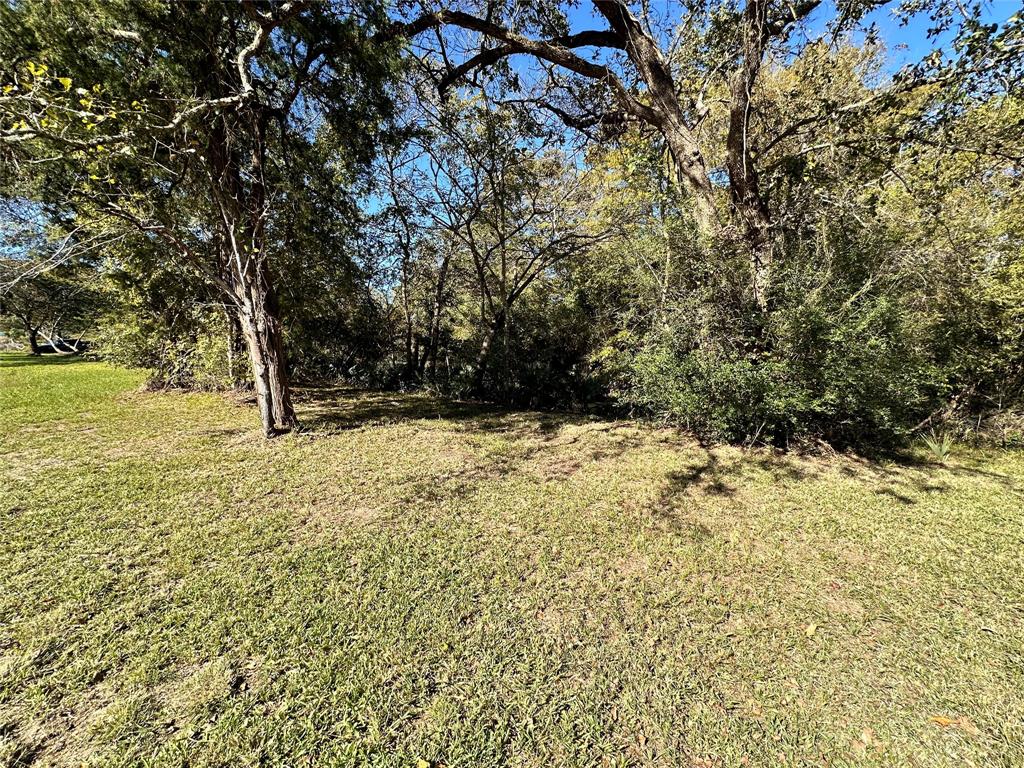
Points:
411	580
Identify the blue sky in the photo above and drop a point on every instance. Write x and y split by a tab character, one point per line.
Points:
910	43
907	43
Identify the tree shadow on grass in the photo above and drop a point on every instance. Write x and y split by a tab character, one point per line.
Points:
21	360
330	408
548	446
904	476
706	476
326	409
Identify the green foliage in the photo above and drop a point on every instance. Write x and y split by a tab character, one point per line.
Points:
200	359
542	359
940	444
481	254
834	381
160	321
49	305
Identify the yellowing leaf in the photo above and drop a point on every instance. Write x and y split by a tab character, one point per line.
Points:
66	82
960	722
37	69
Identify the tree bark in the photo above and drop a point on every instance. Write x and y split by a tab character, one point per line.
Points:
667	115
483	356
236	346
242	208
745	194
33	340
692	176
261	329
411	367
430	358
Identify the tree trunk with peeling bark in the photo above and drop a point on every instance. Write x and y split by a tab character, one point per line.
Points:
261	330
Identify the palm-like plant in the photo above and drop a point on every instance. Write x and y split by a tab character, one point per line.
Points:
940	445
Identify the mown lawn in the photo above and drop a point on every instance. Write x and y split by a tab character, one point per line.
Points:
416	583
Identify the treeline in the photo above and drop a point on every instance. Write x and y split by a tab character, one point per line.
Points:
740	217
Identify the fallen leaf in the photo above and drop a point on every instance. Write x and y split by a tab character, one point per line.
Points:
810	630
968	727
867	741
421	763
963	723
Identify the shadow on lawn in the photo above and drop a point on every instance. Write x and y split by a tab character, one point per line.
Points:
21	360
904	478
335	408
539	443
707	476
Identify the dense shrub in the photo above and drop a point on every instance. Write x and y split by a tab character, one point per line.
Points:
541	359
197	359
853	377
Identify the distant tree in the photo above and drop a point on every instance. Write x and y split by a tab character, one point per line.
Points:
59	305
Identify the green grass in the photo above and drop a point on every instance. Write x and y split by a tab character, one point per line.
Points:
413	581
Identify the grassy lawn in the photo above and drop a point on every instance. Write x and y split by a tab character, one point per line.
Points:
415	582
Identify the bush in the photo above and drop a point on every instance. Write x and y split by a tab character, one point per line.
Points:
198	360
853	377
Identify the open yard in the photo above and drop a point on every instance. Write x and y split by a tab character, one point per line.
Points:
413	583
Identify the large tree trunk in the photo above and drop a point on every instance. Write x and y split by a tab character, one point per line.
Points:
692	177
243	216
262	335
667	113
748	202
261	329
33	340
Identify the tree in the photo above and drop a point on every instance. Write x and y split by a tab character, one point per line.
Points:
480	193
59	305
667	79
181	122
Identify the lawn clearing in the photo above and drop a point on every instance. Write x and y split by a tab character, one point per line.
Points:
413	581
